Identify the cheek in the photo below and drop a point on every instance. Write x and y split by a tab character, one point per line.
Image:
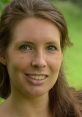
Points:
19	62
17	65
55	62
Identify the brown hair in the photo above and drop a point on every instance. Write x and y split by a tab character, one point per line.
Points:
62	101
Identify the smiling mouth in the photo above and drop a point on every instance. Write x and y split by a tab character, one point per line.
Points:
37	76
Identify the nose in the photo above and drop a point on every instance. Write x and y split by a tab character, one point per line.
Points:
39	61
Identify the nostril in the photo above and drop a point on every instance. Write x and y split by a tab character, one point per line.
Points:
38	62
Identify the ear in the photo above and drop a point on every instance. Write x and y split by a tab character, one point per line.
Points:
2	60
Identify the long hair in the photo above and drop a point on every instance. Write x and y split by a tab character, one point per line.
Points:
62	101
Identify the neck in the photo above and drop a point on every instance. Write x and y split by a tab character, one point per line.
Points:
30	106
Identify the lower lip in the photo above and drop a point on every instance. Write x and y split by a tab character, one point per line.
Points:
35	81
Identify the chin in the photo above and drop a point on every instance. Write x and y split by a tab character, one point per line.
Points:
37	92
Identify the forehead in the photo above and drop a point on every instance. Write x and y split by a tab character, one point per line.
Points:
35	28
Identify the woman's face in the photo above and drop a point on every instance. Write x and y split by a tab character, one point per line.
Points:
34	57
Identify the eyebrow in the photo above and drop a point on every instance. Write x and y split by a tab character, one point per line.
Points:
22	42
52	42
33	43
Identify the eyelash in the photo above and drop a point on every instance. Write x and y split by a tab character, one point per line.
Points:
52	48
25	47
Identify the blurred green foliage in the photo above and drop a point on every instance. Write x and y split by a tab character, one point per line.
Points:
1	100
77	2
3	3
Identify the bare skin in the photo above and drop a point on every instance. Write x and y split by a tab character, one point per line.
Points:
36	108
33	60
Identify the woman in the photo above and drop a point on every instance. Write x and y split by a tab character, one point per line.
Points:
33	36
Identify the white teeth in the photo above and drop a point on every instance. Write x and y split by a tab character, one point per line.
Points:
37	77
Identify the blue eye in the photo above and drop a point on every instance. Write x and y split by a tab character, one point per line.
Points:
52	48
25	47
